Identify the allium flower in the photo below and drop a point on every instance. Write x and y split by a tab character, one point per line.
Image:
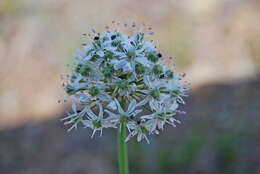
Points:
74	118
164	113
141	129
124	115
97	122
122	76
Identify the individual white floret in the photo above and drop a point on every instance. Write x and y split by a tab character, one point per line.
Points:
97	122
161	116
123	115
139	129
74	118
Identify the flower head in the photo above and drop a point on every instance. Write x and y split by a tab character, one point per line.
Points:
122	76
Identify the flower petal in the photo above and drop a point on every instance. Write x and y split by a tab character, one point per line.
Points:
131	106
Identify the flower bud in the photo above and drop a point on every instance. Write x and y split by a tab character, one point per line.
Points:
130	53
155	94
108	55
108	71
139	68
152	57
70	90
157	69
115	43
105	39
84	70
169	74
93	91
122	84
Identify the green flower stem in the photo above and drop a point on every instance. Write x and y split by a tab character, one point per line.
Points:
122	149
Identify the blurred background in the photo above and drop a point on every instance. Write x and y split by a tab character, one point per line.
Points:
215	42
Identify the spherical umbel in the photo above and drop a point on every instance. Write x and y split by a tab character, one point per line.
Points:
118	78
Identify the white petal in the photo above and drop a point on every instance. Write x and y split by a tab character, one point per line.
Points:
127	68
112	105
147	81
137	112
143	102
82	98
94	131
87	123
160	124
174	120
139	137
146	139
150	116
72	127
90	113
74	107
100	110
120	109
154	105
119	64
144	61
156	132
69	116
151	125
131	106
128	138
88	57
174	106
111	114
104	97
100	53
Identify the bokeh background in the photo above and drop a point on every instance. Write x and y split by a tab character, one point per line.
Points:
215	42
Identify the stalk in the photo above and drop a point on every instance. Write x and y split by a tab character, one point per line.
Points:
122	149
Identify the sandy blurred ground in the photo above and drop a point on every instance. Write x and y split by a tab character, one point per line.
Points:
215	42
210	40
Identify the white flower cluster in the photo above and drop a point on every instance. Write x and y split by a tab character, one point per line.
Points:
118	79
